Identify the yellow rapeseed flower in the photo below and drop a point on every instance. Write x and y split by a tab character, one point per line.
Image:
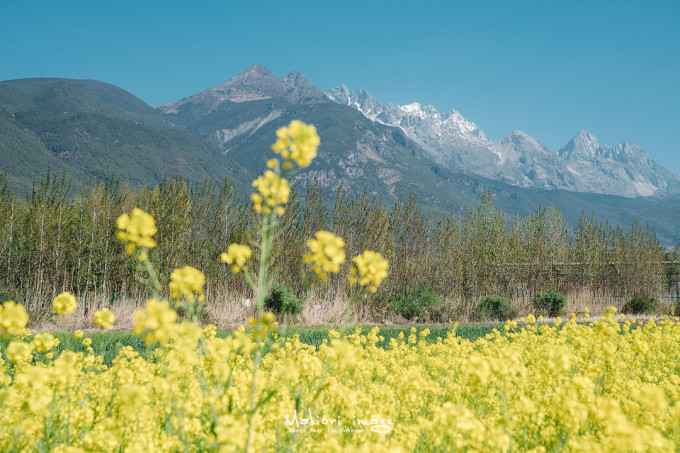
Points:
137	229
187	282
237	255
43	342
19	352
327	253
78	334
298	142
13	317
158	319
273	191
67	449
370	269
64	303
104	318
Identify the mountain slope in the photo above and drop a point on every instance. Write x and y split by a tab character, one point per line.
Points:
85	128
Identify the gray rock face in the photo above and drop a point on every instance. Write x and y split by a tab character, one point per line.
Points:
448	139
298	82
583	165
524	161
625	167
255	83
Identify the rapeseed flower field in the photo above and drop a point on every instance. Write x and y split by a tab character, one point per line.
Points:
601	386
612	384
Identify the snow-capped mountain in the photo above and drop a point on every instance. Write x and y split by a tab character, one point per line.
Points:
583	165
524	161
626	166
448	139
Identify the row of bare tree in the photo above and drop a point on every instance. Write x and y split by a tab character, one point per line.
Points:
52	241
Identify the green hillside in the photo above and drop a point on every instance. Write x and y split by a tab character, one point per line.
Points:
87	128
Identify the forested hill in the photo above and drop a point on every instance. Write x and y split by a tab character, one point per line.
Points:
87	128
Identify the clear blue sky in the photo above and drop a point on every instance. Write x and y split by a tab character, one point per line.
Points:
546	67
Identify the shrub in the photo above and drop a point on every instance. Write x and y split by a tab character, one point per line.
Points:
8	295
496	308
281	301
550	302
183	313
676	307
640	304
417	301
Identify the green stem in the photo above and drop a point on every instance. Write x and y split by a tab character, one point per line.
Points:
153	276
256	364
266	239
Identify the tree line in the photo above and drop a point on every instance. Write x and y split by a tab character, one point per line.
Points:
53	241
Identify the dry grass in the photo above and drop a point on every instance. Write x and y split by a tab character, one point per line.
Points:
228	311
44	320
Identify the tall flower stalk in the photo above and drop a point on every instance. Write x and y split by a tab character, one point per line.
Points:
296	147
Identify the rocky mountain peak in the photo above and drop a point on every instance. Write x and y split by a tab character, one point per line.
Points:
297	81
254	83
254	69
517	136
255	80
584	146
340	94
523	145
627	152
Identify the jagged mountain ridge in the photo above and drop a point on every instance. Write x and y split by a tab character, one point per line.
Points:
618	164
438	134
253	84
240	118
456	143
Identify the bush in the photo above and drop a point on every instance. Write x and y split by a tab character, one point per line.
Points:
550	302
640	304
8	295
281	301
417	301
202	314
676	308
496	308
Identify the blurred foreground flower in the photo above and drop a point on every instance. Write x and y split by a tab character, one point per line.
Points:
19	352
237	255
158	319
327	253
64	303
104	318
187	282
137	229
13	317
297	142
370	269
272	192
43	342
